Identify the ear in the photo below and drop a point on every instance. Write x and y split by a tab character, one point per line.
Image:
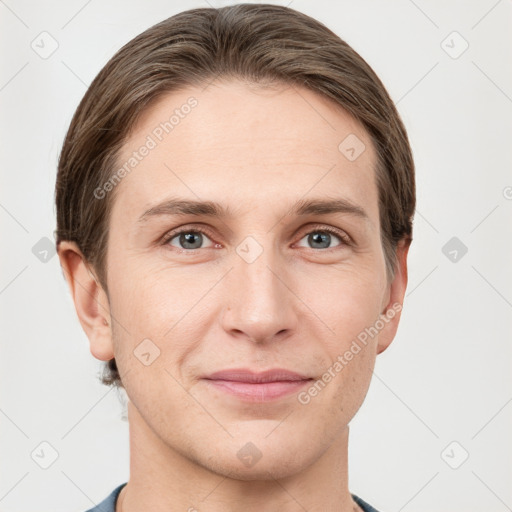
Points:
91	301
392	305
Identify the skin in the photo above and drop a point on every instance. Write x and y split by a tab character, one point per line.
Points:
297	306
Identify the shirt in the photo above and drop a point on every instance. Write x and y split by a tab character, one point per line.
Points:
109	503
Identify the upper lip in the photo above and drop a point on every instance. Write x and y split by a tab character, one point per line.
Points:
246	375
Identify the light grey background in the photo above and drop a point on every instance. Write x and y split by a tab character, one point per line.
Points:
447	376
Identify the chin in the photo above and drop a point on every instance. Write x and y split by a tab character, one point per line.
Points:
277	468
259	460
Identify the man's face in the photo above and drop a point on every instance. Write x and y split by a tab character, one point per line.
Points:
258	288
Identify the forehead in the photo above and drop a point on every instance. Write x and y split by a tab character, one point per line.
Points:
245	147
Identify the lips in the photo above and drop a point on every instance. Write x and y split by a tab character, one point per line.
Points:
254	386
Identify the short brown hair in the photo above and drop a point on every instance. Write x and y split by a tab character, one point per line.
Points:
257	43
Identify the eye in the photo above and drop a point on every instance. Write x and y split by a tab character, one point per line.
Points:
187	239
192	239
323	238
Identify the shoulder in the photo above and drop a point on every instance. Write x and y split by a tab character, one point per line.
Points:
109	503
365	506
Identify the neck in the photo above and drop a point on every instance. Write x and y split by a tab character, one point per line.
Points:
163	479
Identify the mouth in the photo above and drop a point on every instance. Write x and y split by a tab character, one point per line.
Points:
254	386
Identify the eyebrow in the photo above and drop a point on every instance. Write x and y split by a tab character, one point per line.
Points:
302	207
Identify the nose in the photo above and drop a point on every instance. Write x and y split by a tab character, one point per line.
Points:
260	304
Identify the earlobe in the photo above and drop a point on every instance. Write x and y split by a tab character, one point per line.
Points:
91	301
393	309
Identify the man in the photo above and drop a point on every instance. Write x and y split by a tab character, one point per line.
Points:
234	210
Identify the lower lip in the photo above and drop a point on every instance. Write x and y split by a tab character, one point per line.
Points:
259	391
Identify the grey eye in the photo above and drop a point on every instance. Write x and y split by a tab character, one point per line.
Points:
188	240
321	239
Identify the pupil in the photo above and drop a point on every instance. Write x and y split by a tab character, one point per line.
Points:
319	238
188	238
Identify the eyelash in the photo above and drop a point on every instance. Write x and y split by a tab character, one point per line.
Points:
344	238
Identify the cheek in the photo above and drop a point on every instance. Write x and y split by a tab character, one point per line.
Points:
347	301
156	309
350	306
150	297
